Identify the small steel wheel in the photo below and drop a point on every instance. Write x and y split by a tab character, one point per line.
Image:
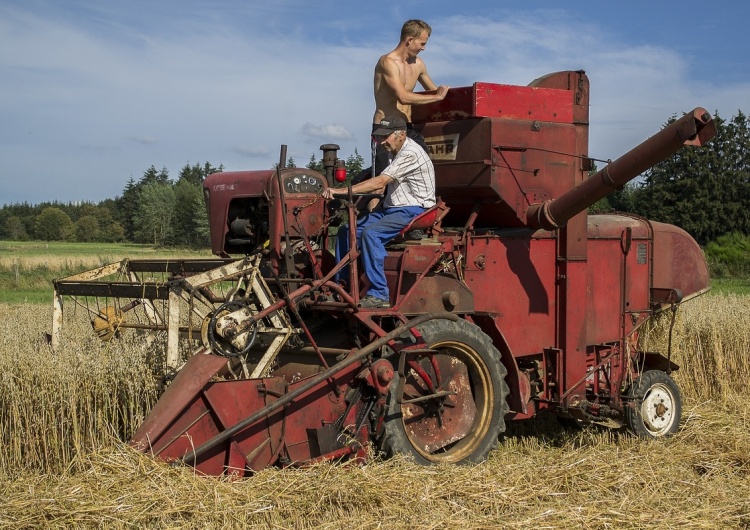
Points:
656	405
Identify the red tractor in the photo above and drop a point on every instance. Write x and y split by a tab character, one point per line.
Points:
514	302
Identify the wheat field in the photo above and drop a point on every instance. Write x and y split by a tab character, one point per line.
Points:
63	463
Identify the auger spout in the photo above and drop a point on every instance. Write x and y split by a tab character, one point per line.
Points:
694	128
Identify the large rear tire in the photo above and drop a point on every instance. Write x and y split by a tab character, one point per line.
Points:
657	405
461	417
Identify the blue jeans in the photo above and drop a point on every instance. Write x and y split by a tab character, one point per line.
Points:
374	230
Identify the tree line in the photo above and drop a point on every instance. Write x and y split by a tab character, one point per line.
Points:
705	191
154	210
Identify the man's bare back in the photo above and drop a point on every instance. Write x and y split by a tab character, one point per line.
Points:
396	75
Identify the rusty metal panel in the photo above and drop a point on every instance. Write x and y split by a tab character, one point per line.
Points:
611	226
434	294
97	273
176	266
113	289
575	81
220	189
638	280
431	432
418	257
572	326
175	437
573	240
301	189
619	275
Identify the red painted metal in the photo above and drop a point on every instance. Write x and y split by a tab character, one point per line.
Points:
490	100
561	294
678	263
286	436
197	372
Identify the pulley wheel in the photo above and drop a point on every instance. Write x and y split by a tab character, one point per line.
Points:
107	322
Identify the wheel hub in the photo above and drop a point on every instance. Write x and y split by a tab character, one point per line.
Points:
435	423
657	409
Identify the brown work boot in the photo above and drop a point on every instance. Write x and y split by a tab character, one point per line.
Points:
373	302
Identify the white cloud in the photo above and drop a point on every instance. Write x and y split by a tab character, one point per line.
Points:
145	140
232	81
331	132
252	151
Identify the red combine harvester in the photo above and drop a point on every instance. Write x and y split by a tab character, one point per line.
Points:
515	301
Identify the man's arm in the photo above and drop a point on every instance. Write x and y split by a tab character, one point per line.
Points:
373	203
366	186
426	81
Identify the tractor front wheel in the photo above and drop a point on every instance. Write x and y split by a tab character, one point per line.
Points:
656	405
453	400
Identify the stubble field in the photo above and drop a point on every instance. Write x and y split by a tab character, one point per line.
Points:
63	464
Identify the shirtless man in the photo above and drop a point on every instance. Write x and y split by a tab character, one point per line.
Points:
396	75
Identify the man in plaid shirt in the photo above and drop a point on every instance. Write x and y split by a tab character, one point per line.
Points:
409	183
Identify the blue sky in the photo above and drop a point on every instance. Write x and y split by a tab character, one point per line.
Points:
92	93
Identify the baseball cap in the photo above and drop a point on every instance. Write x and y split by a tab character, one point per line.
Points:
389	124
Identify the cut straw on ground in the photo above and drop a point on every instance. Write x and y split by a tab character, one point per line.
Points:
64	464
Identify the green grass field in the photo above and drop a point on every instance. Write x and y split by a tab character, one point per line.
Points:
57	250
27	268
731	285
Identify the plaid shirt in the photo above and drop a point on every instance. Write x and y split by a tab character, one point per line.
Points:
414	177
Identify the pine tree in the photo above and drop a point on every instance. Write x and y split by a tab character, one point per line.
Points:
156	206
354	165
127	208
